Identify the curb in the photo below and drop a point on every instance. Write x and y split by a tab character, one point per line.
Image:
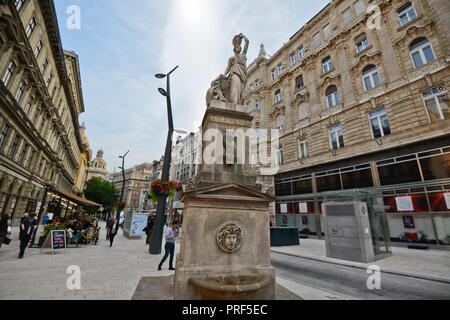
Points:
352	265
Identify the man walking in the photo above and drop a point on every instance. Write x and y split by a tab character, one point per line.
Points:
27	227
113	231
169	248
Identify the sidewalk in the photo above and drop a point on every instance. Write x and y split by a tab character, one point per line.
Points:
425	264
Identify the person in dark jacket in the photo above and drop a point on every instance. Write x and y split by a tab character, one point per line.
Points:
149	228
114	227
27	227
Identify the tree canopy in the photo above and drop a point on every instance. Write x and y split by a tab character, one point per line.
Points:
101	191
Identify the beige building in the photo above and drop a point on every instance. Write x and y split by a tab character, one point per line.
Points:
361	101
97	167
83	163
40	100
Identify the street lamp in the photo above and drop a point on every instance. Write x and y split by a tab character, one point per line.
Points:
123	185
157	234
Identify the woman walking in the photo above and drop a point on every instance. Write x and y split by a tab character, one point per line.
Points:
113	231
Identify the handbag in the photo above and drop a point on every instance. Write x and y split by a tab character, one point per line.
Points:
7	240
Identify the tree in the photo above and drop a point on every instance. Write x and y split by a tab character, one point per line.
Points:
101	191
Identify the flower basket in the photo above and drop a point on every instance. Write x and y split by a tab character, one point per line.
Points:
159	188
53	226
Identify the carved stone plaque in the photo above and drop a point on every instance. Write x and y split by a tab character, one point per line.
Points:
229	238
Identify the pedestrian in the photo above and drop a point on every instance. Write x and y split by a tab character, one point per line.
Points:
27	227
113	231
5	229
149	228
169	248
109	221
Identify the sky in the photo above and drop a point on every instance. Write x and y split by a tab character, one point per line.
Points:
122	45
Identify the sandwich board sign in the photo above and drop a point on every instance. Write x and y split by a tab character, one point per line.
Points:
56	240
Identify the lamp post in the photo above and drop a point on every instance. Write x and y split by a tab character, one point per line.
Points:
157	234
123	185
41	210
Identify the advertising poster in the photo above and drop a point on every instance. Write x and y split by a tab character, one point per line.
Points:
408	222
138	223
404	204
283	208
303	207
447	199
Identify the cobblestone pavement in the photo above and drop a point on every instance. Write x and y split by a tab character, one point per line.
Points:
106	272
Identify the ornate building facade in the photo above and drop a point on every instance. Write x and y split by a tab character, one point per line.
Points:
40	100
83	163
360	99
97	167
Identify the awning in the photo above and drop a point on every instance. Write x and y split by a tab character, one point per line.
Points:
74	198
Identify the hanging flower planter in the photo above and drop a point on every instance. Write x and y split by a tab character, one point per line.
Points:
159	188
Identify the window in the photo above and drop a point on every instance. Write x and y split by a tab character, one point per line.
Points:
19	4
36	115
437	103
379	123
421	52
293	59
256	104
24	152
273	74
360	7
299	82
279	156
15	144
49	80
42	124
361	42
347	16
326	32
257	131
30	27
249	106
28	105
277	96
9	72
406	14
38	49
370	77
30	160
279	122
302	149
20	90
301	52
3	135
316	39
332	96
327	65
44	65
336	137
280	69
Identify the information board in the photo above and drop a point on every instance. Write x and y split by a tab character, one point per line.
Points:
58	239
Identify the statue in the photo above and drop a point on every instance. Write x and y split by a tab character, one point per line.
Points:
228	87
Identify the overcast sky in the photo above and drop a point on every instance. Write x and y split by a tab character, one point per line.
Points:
123	44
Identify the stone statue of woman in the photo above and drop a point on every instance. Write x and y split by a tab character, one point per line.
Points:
237	70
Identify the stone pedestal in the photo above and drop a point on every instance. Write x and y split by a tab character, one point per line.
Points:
211	267
225	247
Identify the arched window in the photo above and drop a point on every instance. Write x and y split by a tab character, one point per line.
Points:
332	96
370	77
421	52
279	122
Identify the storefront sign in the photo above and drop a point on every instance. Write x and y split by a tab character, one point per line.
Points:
404	203
283	208
303	207
447	199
